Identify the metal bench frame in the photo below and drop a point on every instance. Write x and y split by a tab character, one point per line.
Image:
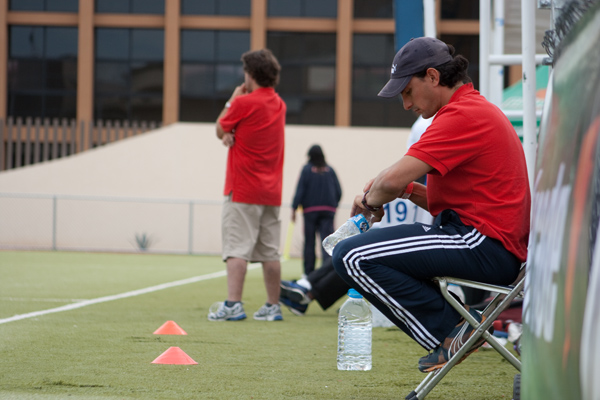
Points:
501	301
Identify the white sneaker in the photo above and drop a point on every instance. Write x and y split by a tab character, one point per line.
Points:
220	312
269	313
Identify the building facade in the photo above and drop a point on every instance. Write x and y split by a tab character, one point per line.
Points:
179	60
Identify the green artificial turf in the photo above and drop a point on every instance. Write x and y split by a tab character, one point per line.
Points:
105	350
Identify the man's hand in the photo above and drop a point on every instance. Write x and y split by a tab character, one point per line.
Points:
221	134
368	185
228	139
358	208
239	90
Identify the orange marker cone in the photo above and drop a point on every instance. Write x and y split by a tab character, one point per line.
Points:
174	356
170	328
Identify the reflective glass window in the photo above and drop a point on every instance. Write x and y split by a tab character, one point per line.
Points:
211	68
302	8
460	9
284	8
216	7
147	44
147	77
197	80
61	74
112	44
112	107
26	42
372	58
131	6
129	73
148	6
42	71
198	45
61	43
230	45
112	77
374	9
113	6
26	5
44	5
307	83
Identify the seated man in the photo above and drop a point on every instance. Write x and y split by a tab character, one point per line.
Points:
477	190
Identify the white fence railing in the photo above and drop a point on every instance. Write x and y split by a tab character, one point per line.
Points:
115	224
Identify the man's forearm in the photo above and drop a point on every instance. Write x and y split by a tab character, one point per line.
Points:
220	131
419	195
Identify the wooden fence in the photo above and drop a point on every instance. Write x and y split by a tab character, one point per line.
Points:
30	141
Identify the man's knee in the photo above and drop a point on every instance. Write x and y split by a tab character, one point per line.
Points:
337	258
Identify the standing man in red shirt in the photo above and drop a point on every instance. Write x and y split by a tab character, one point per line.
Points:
252	126
477	190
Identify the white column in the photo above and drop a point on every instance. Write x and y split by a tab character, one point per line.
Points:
529	85
484	46
429	18
496	75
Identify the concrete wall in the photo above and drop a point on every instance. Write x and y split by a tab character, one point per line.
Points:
182	164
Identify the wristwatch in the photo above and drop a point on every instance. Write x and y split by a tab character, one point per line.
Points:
368	207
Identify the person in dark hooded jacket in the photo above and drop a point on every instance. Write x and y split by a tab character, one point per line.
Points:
318	192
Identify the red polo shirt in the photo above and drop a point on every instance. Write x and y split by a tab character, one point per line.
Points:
479	169
255	161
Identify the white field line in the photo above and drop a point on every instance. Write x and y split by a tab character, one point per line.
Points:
35	300
133	293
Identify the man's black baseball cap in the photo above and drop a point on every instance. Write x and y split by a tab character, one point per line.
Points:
415	56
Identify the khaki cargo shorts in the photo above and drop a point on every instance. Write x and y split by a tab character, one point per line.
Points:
250	231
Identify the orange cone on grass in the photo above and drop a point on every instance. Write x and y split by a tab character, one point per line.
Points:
174	356
170	328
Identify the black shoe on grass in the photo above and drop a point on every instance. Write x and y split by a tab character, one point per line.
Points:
444	352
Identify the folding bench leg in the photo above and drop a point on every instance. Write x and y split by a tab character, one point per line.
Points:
498	305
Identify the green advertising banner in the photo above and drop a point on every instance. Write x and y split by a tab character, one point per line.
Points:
561	313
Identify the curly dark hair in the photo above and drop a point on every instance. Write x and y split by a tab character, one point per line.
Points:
262	66
451	72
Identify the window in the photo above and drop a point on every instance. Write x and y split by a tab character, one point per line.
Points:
215	7
44	5
372	59
42	72
211	68
460	9
302	8
131	6
373	8
129	74
307	83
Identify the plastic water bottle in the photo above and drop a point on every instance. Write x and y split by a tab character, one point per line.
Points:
354	334
353	226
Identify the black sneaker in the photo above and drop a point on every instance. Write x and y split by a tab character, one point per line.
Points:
296	293
296	308
459	335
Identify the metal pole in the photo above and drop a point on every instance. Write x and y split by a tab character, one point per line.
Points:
529	85
497	71
191	228
54	201
429	18
484	46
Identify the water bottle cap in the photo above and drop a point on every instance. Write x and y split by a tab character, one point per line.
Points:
354	294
